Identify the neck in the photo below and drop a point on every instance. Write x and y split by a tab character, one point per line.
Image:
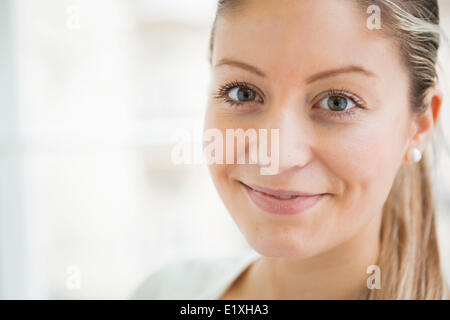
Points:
340	273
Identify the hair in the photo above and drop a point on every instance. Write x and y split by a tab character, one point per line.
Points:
409	256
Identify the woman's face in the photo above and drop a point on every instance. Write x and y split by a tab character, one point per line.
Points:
337	92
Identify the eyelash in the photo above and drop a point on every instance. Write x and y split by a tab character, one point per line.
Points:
223	91
345	93
222	94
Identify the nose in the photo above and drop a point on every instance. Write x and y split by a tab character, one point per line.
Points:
296	137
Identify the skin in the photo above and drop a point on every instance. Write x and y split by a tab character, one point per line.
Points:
324	252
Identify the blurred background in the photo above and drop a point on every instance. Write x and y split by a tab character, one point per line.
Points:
90	92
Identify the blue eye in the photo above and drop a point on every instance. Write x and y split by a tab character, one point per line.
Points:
336	103
238	94
242	94
340	104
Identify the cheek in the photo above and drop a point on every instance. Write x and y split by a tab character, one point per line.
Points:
366	159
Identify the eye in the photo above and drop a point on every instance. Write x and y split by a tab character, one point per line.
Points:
238	94
242	94
340	104
336	103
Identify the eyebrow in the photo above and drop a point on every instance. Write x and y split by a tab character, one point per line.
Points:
335	72
242	65
316	77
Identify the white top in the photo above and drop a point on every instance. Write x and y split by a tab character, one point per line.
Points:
194	279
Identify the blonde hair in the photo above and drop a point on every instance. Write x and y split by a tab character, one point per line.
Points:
409	253
409	256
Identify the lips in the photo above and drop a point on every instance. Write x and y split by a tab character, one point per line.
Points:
282	201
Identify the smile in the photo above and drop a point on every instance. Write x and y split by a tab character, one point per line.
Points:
282	201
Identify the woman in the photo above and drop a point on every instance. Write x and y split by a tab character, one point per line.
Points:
349	213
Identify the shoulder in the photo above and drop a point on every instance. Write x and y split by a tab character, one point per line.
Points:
186	278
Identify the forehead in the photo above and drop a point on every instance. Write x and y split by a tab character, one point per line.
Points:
297	38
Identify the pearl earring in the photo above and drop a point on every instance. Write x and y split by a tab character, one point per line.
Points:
416	155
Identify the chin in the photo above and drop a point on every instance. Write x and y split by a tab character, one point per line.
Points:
283	250
281	243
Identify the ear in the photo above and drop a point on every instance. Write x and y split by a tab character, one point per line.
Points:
423	125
